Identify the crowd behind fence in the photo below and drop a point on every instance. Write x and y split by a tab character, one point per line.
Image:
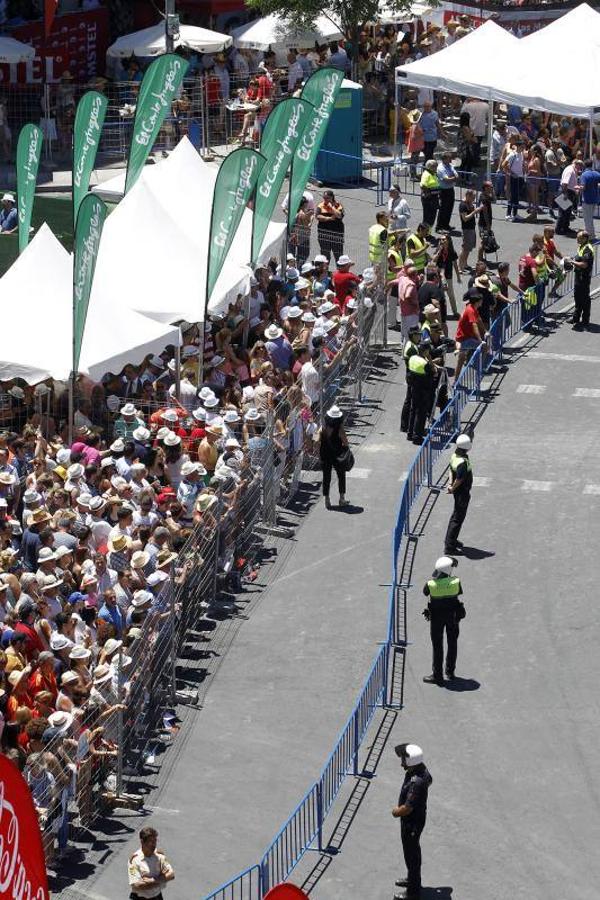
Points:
131	716
305	826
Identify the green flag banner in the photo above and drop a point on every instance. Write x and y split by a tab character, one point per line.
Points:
234	186
89	119
321	90
283	129
159	87
29	151
88	231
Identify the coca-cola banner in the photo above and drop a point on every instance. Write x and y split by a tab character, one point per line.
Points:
77	43
22	865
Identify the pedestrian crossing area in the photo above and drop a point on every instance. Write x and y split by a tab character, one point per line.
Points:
590	393
525	485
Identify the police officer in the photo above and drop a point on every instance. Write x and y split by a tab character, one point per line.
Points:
378	240
583	263
416	247
412	811
411	348
443	612
422	374
461	475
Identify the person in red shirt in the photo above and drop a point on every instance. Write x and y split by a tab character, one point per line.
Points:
342	279
528	268
265	84
32	645
44	679
470	331
19	695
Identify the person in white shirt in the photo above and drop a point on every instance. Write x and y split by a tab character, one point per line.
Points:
399	212
514	167
188	393
295	71
310	379
478	111
310	207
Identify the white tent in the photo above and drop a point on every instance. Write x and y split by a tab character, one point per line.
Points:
542	81
154	245
12	51
475	65
274	32
152	42
41	281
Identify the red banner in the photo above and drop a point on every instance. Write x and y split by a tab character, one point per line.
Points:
49	13
286	892
22	865
77	43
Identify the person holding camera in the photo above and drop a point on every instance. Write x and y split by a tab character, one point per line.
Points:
444	611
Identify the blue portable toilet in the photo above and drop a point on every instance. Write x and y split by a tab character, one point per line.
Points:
340	157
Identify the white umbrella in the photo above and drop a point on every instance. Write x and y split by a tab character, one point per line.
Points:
151	41
273	31
12	51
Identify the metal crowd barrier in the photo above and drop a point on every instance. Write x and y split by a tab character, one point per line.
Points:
305	825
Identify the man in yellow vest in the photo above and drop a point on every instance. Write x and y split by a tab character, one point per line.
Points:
416	247
378	243
461	482
583	264
430	192
443	612
421	374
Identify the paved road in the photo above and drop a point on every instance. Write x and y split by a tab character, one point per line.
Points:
515	803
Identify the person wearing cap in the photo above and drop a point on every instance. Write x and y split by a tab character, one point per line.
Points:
9	217
461	483
322	277
333	445
149	871
330	226
444	611
432	293
191	484
127	422
19	693
343	278
279	348
412	812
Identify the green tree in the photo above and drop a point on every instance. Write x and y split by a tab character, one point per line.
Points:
350	16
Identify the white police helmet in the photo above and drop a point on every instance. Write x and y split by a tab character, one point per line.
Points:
410	754
444	564
463	442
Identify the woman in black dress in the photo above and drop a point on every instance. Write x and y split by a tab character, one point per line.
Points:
334	444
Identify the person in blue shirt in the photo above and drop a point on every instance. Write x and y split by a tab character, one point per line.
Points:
432	129
9	217
590	196
110	612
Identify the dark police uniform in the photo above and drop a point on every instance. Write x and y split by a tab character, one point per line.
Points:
445	611
414	793
460	467
583	279
421	373
410	349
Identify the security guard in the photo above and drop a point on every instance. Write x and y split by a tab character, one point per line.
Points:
583	264
460	487
443	612
422	374
378	239
416	247
412	811
411	348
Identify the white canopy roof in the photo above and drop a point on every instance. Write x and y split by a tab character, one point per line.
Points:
473	65
151	41
154	245
273	31
41	281
527	72
12	51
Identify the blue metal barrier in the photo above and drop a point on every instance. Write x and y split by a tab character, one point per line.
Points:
305	825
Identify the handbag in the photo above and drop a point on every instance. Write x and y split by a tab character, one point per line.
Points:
461	612
345	460
489	242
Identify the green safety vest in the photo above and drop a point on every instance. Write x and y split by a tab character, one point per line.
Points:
580	250
410	349
444	586
397	260
429	181
457	460
417	250
530	298
417	364
377	248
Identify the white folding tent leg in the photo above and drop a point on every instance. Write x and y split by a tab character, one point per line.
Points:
489	139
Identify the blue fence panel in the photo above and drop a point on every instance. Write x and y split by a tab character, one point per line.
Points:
245	886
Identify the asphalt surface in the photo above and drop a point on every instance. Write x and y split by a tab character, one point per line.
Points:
287	684
514	807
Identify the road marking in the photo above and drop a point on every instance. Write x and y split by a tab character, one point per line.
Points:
536	486
326	560
481	481
563	357
359	473
381	448
587	392
165	810
531	389
592	489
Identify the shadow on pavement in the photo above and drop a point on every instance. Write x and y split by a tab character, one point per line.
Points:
351	510
476	553
462	684
436	893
